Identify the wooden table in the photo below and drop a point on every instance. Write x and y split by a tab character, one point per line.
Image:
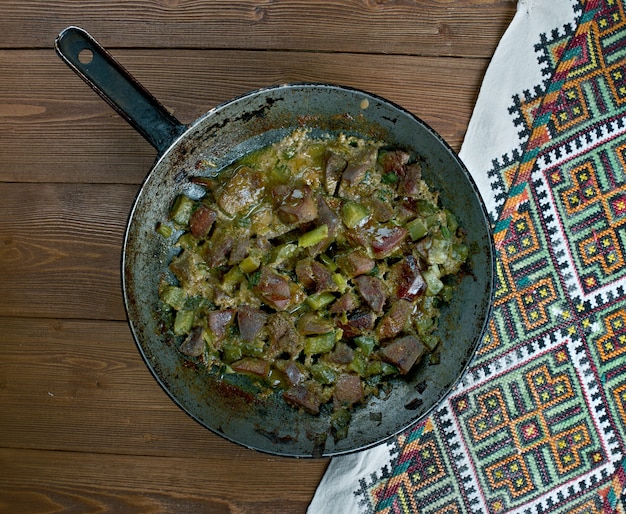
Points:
83	425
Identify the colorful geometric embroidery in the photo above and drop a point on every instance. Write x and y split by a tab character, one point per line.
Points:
538	424
530	431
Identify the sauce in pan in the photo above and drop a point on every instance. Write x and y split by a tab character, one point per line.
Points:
316	266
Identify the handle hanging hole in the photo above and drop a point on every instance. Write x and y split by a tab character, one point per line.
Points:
85	56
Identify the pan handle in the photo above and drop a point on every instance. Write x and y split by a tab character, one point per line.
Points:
107	77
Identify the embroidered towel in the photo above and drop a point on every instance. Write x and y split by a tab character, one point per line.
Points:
539	422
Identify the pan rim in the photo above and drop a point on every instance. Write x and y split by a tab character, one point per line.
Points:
202	120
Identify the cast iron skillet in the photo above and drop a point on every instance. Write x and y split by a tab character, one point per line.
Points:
227	405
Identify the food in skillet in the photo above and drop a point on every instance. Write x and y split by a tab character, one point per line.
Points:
315	266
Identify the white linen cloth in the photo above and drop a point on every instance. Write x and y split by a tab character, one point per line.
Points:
491	134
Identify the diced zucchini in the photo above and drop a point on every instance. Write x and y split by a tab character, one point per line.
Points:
433	284
232	277
417	229
425	208
249	264
183	322
340	418
323	373
282	253
173	296
165	230
388	369
318	301
341	281
451	222
366	344
430	342
181	210
446	293
313	237
187	241
354	214
424	325
324	343
460	252
374	368
433	221
328	262
231	353
254	349
439	251
339	423
380	368
358	364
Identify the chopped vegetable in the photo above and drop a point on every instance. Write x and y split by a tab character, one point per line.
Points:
316	267
165	230
250	264
183	322
313	237
181	210
319	344
354	214
174	297
320	300
366	344
417	228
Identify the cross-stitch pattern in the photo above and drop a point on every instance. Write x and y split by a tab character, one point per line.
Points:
539	422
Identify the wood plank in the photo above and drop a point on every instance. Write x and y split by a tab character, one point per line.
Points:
60	249
84	426
418	27
55	129
42	481
69	372
80	385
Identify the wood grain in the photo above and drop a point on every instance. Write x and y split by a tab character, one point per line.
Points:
71	371
41	481
469	28
62	248
84	427
60	376
60	130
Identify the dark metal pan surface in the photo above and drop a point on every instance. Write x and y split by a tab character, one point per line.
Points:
228	406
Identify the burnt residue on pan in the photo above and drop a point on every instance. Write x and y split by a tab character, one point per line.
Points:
263	423
233	409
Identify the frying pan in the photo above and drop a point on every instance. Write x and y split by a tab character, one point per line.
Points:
228	405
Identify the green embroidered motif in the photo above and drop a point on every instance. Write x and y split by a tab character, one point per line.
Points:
539	422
